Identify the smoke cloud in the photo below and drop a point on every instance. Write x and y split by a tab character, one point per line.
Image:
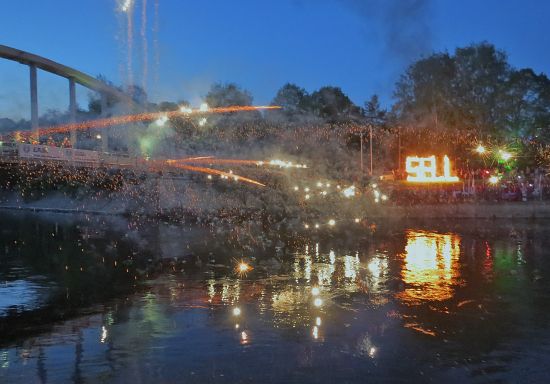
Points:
404	25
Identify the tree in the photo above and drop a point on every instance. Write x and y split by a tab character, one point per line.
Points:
333	105
479	86
165	106
7	125
293	99
445	99
528	105
226	95
424	93
137	93
446	102
94	98
374	114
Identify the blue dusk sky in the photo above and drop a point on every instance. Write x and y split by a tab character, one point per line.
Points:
178	48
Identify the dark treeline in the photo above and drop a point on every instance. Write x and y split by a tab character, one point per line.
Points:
444	101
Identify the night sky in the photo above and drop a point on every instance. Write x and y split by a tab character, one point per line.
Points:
361	46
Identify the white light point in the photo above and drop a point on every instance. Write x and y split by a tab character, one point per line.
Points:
204	107
103	334
186	110
506	156
372	352
161	121
126	5
349	191
315	332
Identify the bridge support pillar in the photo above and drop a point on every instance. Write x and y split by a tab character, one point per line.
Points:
72	109
105	133
34	102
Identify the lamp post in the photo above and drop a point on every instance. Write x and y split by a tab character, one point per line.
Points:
361	143
361	133
399	148
370	145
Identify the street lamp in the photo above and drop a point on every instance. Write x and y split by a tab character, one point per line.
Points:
370	145
370	149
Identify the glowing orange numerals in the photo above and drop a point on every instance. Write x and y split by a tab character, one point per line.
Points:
424	170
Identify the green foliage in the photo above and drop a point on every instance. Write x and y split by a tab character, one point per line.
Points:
473	94
226	95
293	99
333	105
374	114
94	98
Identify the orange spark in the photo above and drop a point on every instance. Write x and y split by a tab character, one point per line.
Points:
212	160
148	116
242	268
214	172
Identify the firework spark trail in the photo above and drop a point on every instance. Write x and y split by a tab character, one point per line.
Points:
215	172
244	108
126	119
129	8
213	160
192	158
144	42
156	44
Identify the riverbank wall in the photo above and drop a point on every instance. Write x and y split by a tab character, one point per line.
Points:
500	210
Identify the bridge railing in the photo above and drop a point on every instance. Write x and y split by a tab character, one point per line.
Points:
8	151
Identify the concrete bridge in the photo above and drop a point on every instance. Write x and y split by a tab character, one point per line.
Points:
74	76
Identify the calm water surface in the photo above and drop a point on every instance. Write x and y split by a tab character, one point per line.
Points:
102	300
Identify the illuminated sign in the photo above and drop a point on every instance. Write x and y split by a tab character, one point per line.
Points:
424	170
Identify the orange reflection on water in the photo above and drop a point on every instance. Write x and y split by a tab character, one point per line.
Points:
431	268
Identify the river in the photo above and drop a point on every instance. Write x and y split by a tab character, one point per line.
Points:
106	299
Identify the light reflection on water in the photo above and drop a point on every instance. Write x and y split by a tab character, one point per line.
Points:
431	267
21	294
415	300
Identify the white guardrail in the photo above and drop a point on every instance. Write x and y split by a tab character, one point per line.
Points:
84	157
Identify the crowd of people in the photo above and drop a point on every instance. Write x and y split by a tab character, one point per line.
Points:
475	186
